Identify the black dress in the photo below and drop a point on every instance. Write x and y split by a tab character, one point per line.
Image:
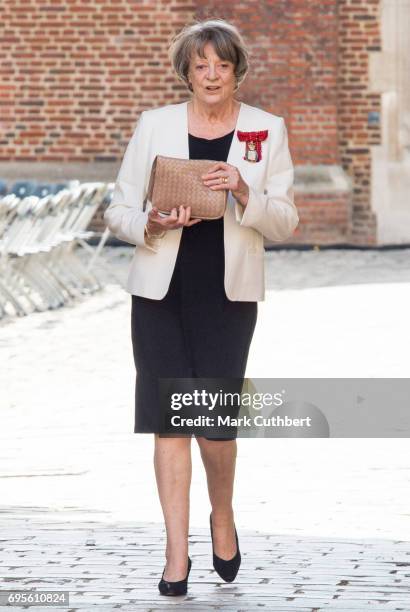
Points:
195	330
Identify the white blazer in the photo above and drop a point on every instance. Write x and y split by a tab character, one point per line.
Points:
270	211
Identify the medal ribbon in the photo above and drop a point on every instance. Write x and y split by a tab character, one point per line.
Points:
256	137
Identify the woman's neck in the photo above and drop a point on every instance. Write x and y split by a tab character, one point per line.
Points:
213	114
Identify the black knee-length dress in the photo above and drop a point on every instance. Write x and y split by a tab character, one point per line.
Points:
195	330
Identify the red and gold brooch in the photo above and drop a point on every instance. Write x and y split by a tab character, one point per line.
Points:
253	147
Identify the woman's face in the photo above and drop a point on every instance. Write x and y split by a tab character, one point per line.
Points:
211	72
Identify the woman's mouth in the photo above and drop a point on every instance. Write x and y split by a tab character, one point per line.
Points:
213	88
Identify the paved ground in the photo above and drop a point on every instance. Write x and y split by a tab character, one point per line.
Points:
323	524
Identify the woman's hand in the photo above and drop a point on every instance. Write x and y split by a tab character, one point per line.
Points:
224	176
157	224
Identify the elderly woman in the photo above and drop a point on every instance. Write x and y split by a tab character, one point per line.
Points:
195	284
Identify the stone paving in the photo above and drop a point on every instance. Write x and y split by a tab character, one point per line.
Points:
324	524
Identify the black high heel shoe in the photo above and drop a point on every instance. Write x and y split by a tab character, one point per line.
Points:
176	588
227	569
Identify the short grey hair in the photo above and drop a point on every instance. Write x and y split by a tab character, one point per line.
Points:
225	38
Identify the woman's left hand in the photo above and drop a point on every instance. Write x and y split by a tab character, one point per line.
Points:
224	176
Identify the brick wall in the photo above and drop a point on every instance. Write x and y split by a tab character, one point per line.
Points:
76	74
358	36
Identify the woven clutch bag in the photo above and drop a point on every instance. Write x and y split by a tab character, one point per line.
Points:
175	181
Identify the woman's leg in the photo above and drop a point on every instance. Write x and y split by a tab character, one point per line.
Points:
219	458
173	469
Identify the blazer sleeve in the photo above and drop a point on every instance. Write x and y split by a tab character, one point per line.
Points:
124	215
273	213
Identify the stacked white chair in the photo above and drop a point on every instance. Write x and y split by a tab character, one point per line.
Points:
39	236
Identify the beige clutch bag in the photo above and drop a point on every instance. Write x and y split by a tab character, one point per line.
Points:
175	181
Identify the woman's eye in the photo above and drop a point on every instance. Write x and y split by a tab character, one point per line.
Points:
223	66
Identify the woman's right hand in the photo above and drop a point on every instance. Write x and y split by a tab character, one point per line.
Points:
157	224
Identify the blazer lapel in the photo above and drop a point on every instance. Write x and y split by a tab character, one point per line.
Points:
251	172
234	156
174	136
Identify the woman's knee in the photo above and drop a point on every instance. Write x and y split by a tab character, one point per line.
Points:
214	447
171	444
